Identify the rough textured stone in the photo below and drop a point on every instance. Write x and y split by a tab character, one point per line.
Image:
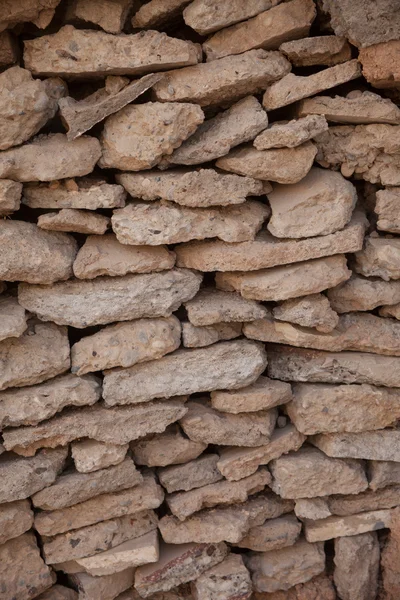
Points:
223	81
380	257
158	12
22	477
284	165
198	337
372	445
10	196
212	306
379	63
363	294
317	588
106	588
309	473
357	566
8	49
311	311
296	87
193	474
97	53
168	448
230	580
87	193
202	188
40	13
273	534
315	508
291	133
90	455
334	527
328	50
15	519
265	393
108	299
110	15
370	500
387	206
12	318
58	592
389	561
125	140
71	219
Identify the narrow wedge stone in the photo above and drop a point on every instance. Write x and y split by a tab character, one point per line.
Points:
78	221
328	50
168	448
291	134
158	12
372	445
274	534
198	337
311	311
212	306
264	394
87	193
337	527
191	475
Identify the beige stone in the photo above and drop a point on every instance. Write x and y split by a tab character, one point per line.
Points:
230	580
311	311
389	560
390	311
78	221
226	365
380	257
236	463
370	500
108	299
156	223
22	477
357	566
291	133
223	81
90	455
296	87
168	448
266	251
309	473
212	306
387	206
106	588
334	527
13	319
158	12
110	15
198	337
97	53
10	196
58	592
316	508
265	393
87	193
328	50
8	49
317	588
125	140
283	165
202	188
193	474
30	405
372	445
273	534
359	294
39	13
379	63
15	519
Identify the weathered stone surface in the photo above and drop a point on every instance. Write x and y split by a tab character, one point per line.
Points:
357	566
290	281
168	448
97	53
212	306
284	165
72	488
30	405
8	49
177	564
10	196
356	108
230	579
39	13
90	455
142	497
32	255
370	500
167	223
281	569
266	251
326	50
87	193
291	133
317	588
315	508
125	140
71	219
108	299
202	188
309	473
372	445
158	12
13	319
40	353
363	294
389	561
227	365
223	81
117	425
311	311
193	474
387	206
15	519
273	534
110	15
58	592
198	337
268	30
380	257
379	63
334	527
216	136
204	424
22	477
390	311
236	463
265	393
296	87
106	588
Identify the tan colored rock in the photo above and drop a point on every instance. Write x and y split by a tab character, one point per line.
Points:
39	12
97	53
227	365
334	527
284	568
389	560
165	222
266	251
284	165
87	193
372	445
315	508
328	50
309	473
273	534
198	337
380	257
296	87
311	311
90	455
15	519
387	206
22	477
370	500
223	81
10	196
71	219
290	281
236	463
13	319
357	566
108	299
168	448
125	140
110	15
158	12
58	592
363	294
142	497
212	306
177	564
106	588
215	137
193	474
265	393
291	133
317	588
390	311
8	49
230	580
379	64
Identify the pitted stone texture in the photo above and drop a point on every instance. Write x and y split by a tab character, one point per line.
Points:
379	63
90	455
357	566
229	580
309	473
12	318
223	81
328	50
10	196
387	209
198	337
273	534
370	500
373	445
380	257
315	508
58	592
158	12
193	474
212	306
125	344
283	165
96	53
334	527
127	143
8	49
202	188
291	133
363	294
110	15
168	448
40	13
311	311
87	193
78	221
15	519
22	477
265	393
107	587
108	299
296	87
33	255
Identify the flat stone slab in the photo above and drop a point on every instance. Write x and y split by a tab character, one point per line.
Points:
109	586
212	306
168	448
198	337
380	257
193	474
78	221
328	50
91	455
264	394
359	294
334	527
311	311
372	445
292	133
86	193
203	17
230	578
369	500
110	16
158	12
274	534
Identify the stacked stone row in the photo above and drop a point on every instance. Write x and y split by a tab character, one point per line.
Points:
199	337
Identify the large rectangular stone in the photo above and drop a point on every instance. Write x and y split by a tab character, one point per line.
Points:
333	527
369	445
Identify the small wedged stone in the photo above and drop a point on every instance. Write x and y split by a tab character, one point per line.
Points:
372	445
370	500
59	592
86	193
291	133
222	81
360	294
107	299
357	566
264	394
90	455
292	88
317	588
204	424
226	365
212	306
168	448
191	475
380	257
312	311
390	311
78	221
273	534
327	50
125	140
198	337
10	196
166	222
229	580
8	49
15	518
158	12
315	508
96	53
202	188
268	30
387	206
13	319
336	527
110	15
107	587
283	165
40	13
379	64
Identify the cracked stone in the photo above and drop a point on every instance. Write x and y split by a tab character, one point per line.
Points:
229	579
360	294
39	12
380	257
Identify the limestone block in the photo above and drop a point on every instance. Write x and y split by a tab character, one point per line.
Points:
87	193
78	221
212	306
10	196
316	508
372	445
13	319
58	592
334	527
328	50
359	294
198	337
8	49
310	311
168	448
106	588
265	393
90	455
370	500
158	12
357	566
40	13
229	579
273	534
291	133
387	206
379	64
380	257
15	519
110	15
193	474
317	588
